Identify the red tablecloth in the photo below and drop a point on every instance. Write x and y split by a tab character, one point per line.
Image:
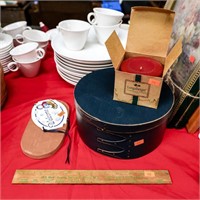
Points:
178	152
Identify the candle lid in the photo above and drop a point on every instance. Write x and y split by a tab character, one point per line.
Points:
142	65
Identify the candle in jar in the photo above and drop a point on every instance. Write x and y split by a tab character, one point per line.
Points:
142	65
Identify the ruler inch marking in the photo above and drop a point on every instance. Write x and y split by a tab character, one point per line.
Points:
91	177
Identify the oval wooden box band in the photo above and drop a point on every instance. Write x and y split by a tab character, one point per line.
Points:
38	144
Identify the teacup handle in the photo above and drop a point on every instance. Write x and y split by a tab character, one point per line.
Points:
27	28
91	18
40	53
13	66
19	38
58	28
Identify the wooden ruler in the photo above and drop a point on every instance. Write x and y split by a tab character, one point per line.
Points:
91	177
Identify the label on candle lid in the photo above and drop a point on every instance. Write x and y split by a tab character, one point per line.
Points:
49	114
142	65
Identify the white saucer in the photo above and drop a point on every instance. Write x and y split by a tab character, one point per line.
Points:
71	81
81	67
6	41
52	33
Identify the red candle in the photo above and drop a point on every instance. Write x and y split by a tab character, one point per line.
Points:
142	65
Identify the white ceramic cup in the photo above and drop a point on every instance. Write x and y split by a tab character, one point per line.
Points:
104	17
27	52
103	32
28	69
44	46
16	28
33	36
74	33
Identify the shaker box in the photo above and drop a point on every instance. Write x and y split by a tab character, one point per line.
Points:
148	36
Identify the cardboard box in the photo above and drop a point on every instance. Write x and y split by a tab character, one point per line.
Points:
148	36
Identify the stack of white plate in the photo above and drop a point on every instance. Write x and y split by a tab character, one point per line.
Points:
73	65
6	42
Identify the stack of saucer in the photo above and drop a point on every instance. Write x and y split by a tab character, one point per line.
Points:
73	65
73	70
6	45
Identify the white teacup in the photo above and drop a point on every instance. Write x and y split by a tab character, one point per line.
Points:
16	28
33	36
103	32
27	52
74	33
44	46
105	17
28	69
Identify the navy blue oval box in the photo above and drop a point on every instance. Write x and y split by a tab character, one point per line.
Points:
115	128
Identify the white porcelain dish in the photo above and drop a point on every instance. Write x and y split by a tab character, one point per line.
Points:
6	45
93	52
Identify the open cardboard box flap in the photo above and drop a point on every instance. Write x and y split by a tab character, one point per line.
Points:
150	31
173	55
115	50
